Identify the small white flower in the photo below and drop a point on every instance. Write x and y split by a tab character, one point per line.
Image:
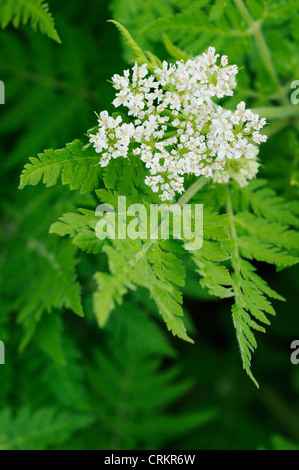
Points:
202	138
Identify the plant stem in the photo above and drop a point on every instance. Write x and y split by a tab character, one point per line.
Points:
286	111
279	112
233	230
194	188
184	199
255	27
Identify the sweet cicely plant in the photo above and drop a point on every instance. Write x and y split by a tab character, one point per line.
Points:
171	140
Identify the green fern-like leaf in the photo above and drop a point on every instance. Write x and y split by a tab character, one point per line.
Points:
131	267
173	50
73	223
35	12
267	230
75	165
252	307
208	259
118	380
38	430
264	202
56	285
139	55
256	228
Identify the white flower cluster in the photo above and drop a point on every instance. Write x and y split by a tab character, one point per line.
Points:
177	129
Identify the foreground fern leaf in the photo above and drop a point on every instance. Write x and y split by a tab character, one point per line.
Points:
75	166
35	12
250	291
160	272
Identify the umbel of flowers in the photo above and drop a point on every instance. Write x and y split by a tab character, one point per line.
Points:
176	129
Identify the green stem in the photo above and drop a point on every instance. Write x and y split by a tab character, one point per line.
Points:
279	112
255	27
233	230
184	199
286	111
194	188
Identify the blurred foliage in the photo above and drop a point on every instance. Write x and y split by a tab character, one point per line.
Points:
67	384
34	12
